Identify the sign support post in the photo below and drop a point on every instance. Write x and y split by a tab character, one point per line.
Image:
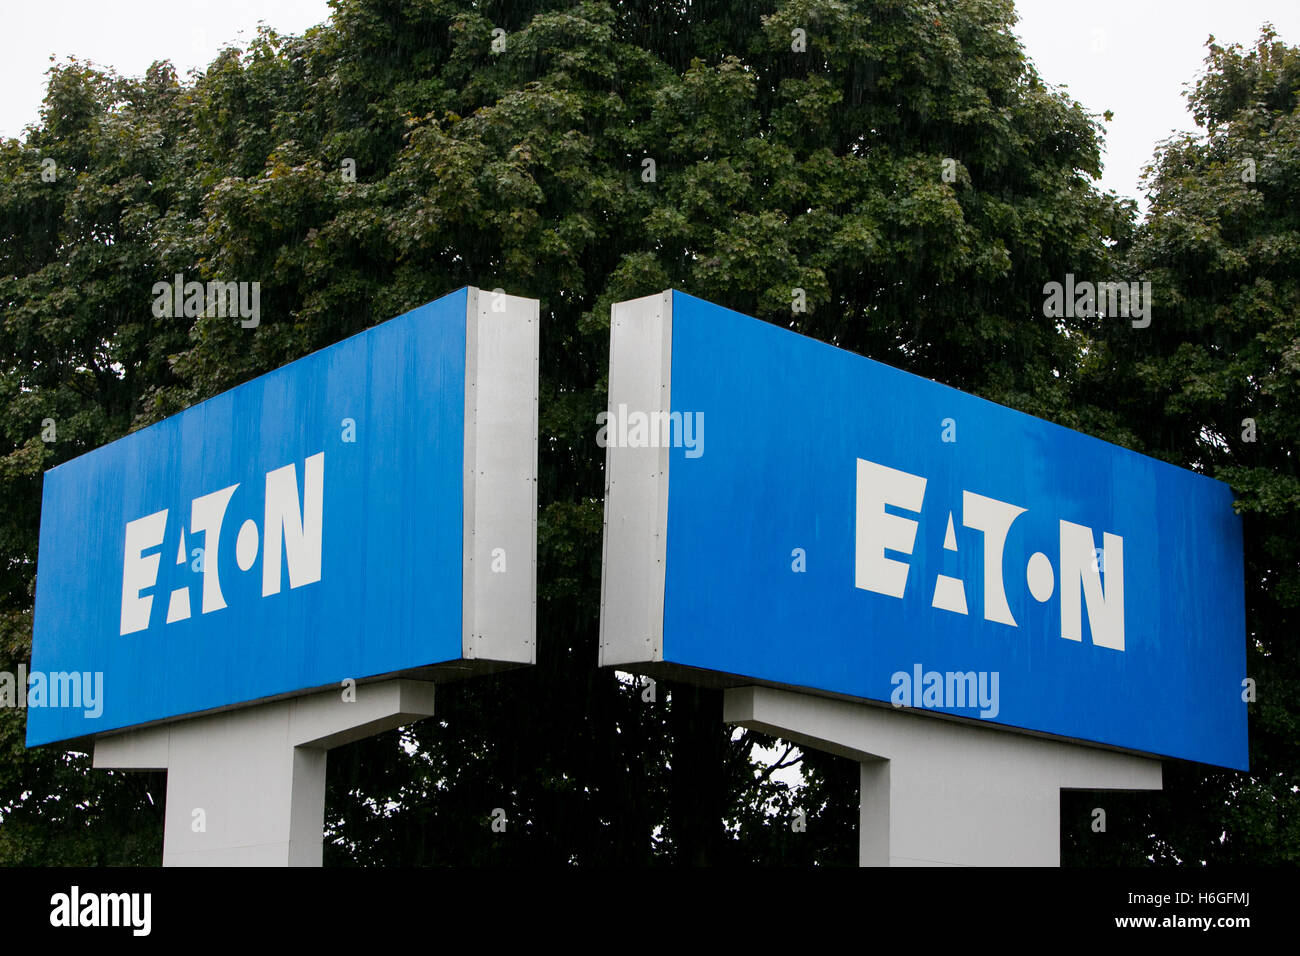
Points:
980	608
347	530
943	793
246	787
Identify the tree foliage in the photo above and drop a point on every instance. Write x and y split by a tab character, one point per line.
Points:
908	171
1214	385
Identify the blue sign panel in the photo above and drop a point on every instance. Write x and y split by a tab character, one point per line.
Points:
848	527
296	531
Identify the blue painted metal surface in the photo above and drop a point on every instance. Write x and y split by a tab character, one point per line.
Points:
387	593
788	418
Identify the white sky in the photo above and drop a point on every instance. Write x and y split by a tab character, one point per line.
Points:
1128	56
1133	57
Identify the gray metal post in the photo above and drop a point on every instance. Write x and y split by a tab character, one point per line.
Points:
246	787
940	792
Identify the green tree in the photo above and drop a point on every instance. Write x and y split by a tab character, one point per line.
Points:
81	197
907	171
1214	385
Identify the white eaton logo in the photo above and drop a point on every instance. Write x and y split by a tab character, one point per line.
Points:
290	525
1081	562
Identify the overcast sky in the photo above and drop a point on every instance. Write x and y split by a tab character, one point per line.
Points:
1128	56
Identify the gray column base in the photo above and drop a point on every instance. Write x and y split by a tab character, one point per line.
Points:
257	774
942	793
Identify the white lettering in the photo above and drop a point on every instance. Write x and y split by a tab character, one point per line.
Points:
297	527
878	530
1081	575
206	515
140	571
994	518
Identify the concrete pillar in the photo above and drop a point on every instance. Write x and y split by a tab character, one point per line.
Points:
939	792
254	777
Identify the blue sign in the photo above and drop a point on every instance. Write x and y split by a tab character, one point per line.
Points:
302	529
850	528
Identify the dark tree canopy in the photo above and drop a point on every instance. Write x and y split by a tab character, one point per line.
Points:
908	171
1214	385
